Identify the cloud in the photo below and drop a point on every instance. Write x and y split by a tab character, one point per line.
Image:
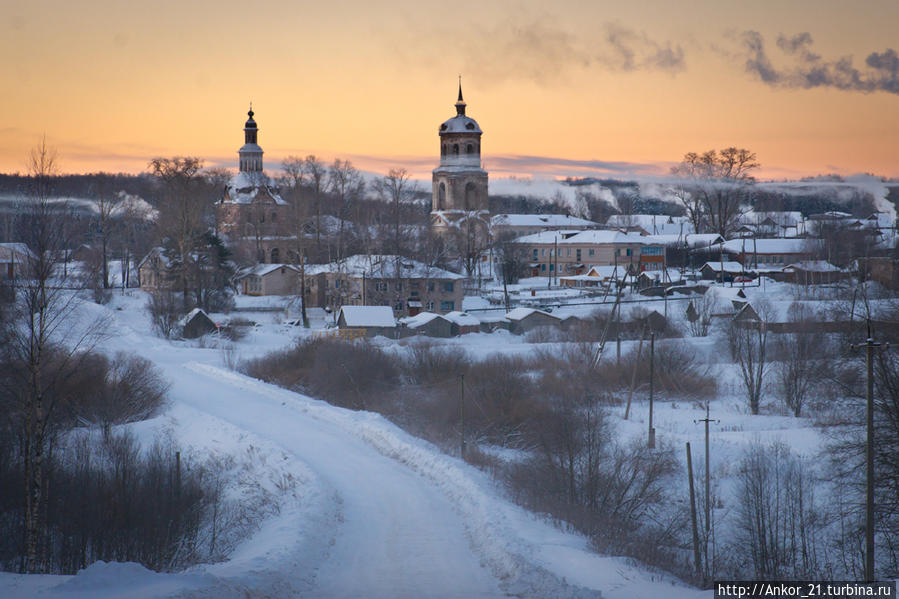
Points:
539	50
809	70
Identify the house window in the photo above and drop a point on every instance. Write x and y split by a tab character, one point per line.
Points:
469	149
336	283
578	254
552	267
381	286
543	267
591	252
447	306
430	285
542	251
414	294
535	253
276	256
630	252
448	286
455	149
398	286
398	307
430	306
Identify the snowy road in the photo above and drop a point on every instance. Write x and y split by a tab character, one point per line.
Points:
396	535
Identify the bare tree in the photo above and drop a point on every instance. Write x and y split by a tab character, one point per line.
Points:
316	174
716	184
295	172
181	211
396	188
347	186
42	344
799	368
699	314
748	341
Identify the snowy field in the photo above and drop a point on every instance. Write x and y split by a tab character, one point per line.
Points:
362	508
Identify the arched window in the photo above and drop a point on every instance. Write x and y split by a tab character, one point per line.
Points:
276	256
469	149
455	149
441	196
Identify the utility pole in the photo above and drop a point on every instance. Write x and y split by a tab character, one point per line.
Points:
652	355
462	418
696	555
708	470
869	346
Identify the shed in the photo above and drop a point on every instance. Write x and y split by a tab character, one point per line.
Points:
196	324
718	271
463	323
429	324
522	320
374	320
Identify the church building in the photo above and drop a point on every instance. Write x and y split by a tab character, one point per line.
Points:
251	214
459	183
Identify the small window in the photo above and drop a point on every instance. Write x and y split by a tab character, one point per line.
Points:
398	286
447	306
448	286
455	149
430	306
543	267
591	252
430	285
469	149
274	217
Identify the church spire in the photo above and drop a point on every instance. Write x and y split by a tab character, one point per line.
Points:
250	153
460	103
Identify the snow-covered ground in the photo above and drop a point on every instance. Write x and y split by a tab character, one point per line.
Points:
370	511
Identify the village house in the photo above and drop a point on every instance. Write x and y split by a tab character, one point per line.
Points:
269	279
768	253
153	271
506	226
651	224
373	320
428	324
522	320
463	323
407	286
13	259
565	252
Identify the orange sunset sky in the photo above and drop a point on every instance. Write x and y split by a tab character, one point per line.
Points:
574	87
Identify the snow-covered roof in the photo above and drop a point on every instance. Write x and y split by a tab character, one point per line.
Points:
596	237
463	319
420	319
367	316
726	266
383	266
16	247
246	187
767	246
540	220
670	275
601	237
190	316
645	220
157	252
263	269
460	124
782	218
691	240
813	266
522	313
